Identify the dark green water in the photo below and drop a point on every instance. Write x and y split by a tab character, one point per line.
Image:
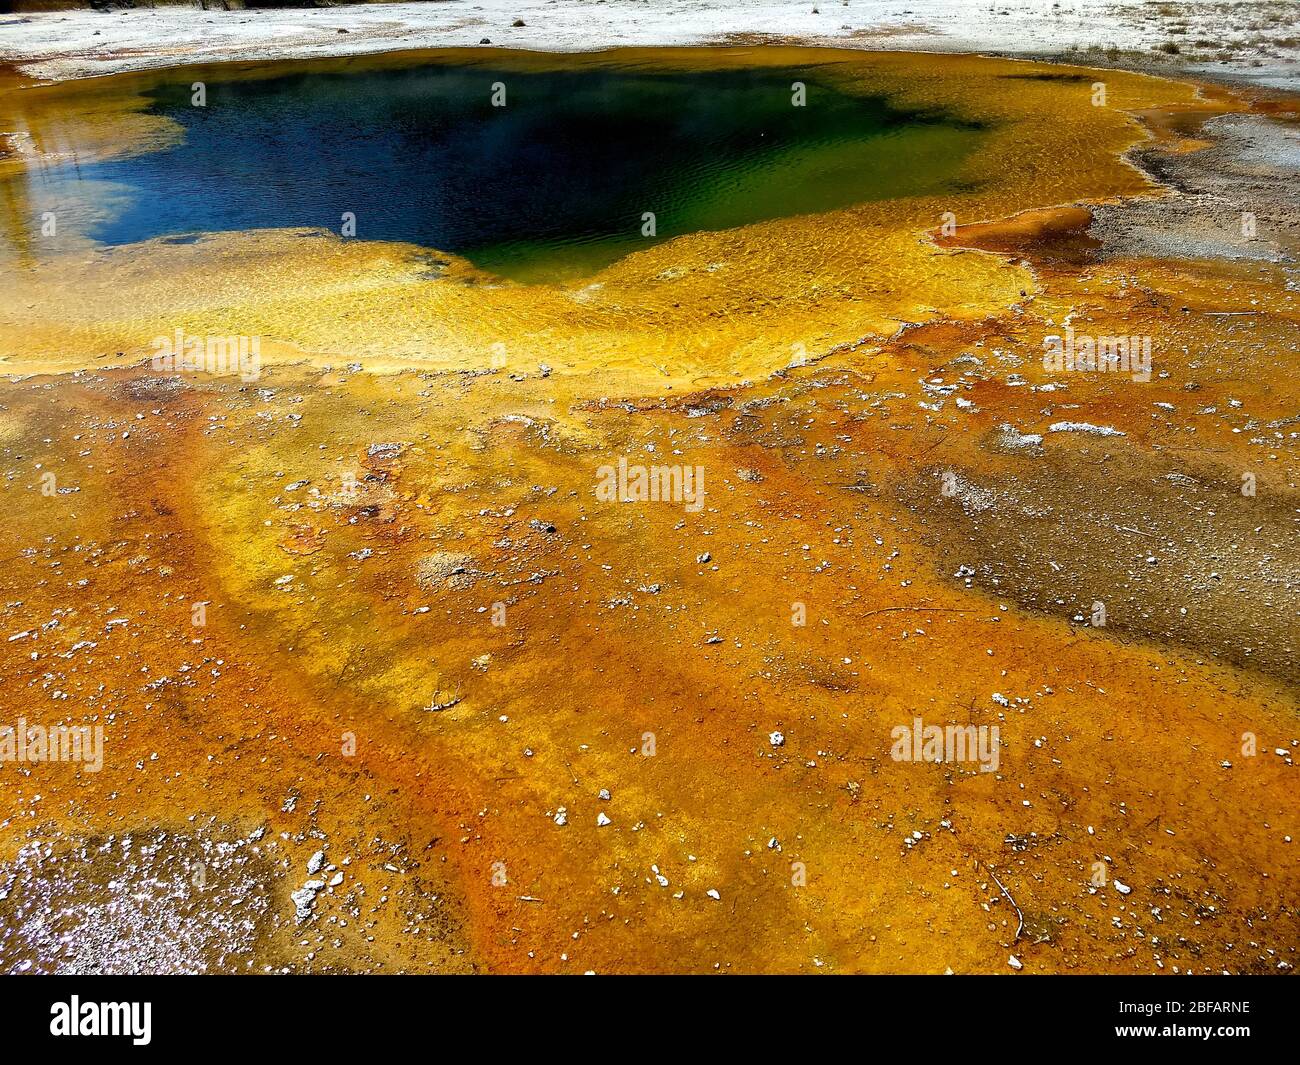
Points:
553	185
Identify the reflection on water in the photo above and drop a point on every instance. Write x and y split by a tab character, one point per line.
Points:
532	174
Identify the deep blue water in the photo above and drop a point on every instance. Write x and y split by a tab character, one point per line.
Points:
555	182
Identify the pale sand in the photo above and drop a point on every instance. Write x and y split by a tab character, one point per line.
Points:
73	44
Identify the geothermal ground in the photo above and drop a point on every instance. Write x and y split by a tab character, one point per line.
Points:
386	683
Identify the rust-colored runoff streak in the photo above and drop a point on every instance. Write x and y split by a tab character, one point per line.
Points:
531	730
